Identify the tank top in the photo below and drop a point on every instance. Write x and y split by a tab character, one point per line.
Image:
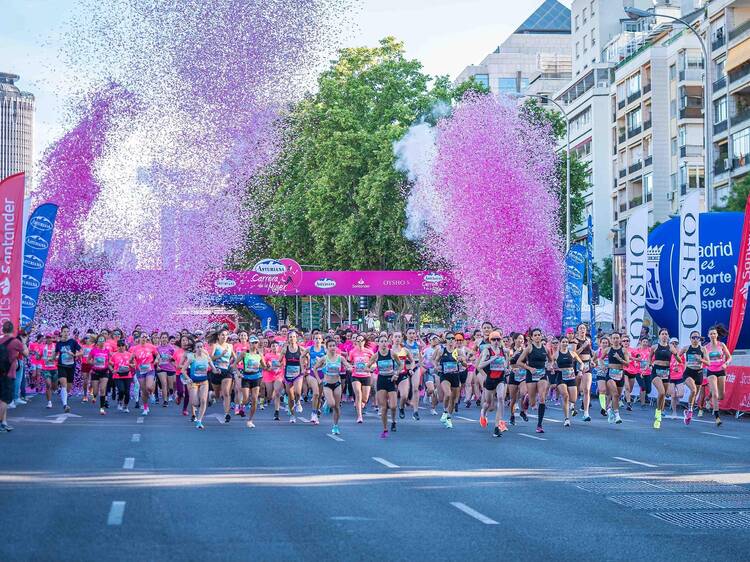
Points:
693	356
414	348
497	365
583	346
715	358
198	368
616	359
448	362
251	366
293	368
402	355
222	355
315	355
537	358
332	368
386	365
565	365
662	353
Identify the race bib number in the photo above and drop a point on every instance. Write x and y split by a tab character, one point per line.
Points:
200	370
360	367
385	367
292	370
519	375
662	373
537	374
615	374
123	370
144	368
100	361
644	364
498	364
694	364
568	374
66	358
450	367
86	351
165	357
275	364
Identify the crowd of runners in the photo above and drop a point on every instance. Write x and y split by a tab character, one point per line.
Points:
391	374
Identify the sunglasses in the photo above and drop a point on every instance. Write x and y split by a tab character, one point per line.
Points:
449	339
695	337
495	339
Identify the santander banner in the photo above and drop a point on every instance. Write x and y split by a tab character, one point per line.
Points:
11	227
741	284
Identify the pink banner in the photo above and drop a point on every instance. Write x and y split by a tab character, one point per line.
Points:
11	226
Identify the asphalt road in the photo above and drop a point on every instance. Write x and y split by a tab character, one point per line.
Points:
115	488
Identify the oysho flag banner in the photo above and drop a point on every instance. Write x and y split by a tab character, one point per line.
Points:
11	220
590	277
741	284
689	303
38	239
636	245
575	263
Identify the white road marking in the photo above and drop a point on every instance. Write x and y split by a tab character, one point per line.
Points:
306	420
129	463
115	513
334	437
474	513
385	462
465	419
631	461
60	418
532	437
136	438
553	420
719	435
139	420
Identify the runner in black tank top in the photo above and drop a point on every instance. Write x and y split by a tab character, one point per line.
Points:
295	364
661	356
696	359
534	357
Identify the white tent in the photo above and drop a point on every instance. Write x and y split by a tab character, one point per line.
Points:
605	309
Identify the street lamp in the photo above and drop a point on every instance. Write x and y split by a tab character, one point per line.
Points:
637	13
567	163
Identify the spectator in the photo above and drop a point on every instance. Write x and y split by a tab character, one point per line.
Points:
15	350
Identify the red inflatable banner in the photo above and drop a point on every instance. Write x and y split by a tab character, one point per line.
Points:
737	389
11	264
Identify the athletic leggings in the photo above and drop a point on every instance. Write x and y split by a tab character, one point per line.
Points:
123	390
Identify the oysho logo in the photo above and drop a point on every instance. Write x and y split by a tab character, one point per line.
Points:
41	223
395	282
36	242
33	262
30	282
433	278
269	267
325	283
224	283
28	302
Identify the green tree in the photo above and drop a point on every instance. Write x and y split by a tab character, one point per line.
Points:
602	277
469	85
579	171
737	199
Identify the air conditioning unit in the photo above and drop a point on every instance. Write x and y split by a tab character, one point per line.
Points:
726	163
670	196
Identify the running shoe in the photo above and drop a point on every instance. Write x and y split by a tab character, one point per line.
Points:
628	407
718	421
468	404
5	427
144	412
587	418
227	418
192	418
359	419
401	413
415	416
657	423
687	416
393	426
566	423
336	430
292	420
449	423
610	416
483	421
574	412
164	404
603	412
384	434
524	417
102	412
276	416
250	424
119	407
502	426
49	405
433	412
242	412
262	406
618	419
479	403
66	409
236	410
85	399
513	420
299	408
444	417
700	413
199	425
126	410
539	429
314	419
497	433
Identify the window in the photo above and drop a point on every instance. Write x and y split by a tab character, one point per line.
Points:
673	145
673	109
720	110
634	84
682	135
577	23
507	85
593	8
673	72
585	43
634	119
673	181
483	79
693	62
580	121
741	146
648	187
720	68
593	36
578	49
584	15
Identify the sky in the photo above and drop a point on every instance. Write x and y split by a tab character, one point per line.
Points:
444	35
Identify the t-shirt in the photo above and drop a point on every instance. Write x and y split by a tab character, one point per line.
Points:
120	361
67	350
15	349
166	355
179	353
359	360
48	361
35	353
99	358
144	357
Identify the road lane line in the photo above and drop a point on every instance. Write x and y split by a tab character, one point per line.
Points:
136	438
532	437
385	462
129	463
139	420
465	419
306	420
719	434
115	513
474	513
334	437
631	461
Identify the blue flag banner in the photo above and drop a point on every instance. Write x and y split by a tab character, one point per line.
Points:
575	263
39	231
590	275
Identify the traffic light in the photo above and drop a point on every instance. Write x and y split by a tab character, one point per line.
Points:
364	303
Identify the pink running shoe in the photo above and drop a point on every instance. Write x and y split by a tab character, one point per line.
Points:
384	435
539	429
688	417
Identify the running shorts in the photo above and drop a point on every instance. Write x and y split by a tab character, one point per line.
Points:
364	381
696	375
452	378
385	383
66	371
491	384
250	383
102	374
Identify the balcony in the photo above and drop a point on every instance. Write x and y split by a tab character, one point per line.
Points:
720	127
623	207
691	74
635	202
691	113
739	73
740	116
634	132
646	89
635	167
718	42
634	96
739	30
741	161
647	125
720	84
620	104
648	161
621	138
722	165
691	150
683	189
622	173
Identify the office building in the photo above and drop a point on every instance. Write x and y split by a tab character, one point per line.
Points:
16	128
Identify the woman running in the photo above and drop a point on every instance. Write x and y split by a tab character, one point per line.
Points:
565	359
493	361
252	363
386	361
314	377
334	365
415	348
165	368
87	344
661	357
584	350
222	357
197	364
428	366
632	370
181	389
406	368
618	358
450	362
122	374
273	377
642	357
517	377
601	362
695	359
294	357
718	359
143	359
359	357
534	359
99	361
240	344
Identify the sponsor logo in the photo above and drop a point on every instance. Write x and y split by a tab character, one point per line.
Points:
360	284
36	242
258	306
30	282
574	272
5	287
25	319
269	267
654	296
33	262
433	278
576	256
395	282
325	283
224	283
41	223
28	302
